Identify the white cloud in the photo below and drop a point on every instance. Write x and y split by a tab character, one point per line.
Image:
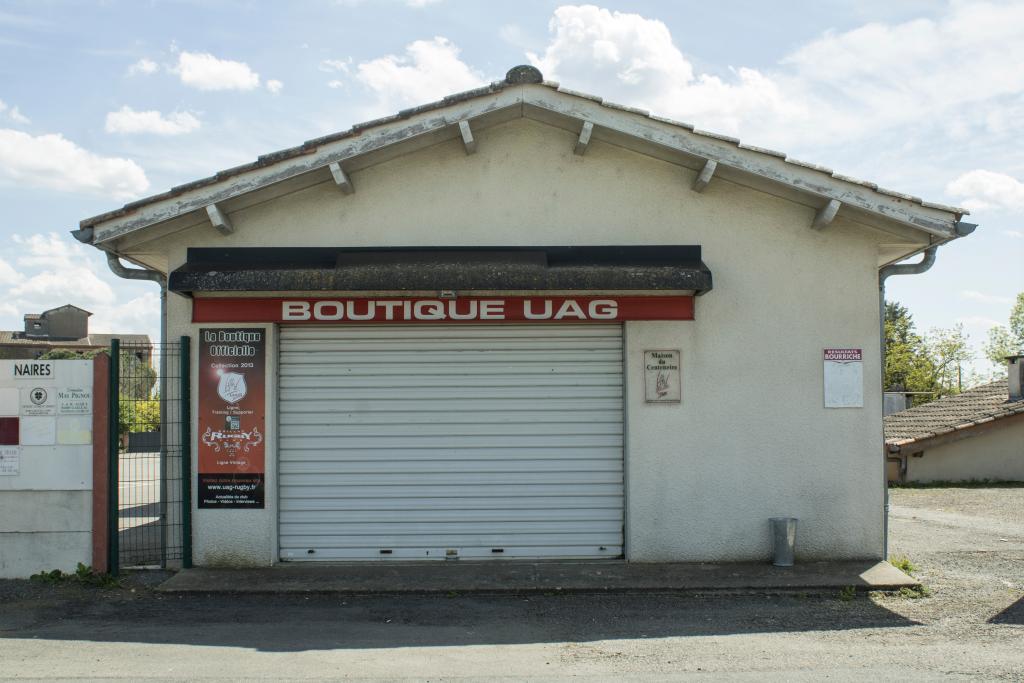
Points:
13	113
53	270
62	275
143	66
8	275
16	116
139	315
54	162
274	86
981	297
420	3
127	120
592	48
837	88
988	189
429	70
1017	234
335	84
332	65
204	71
513	34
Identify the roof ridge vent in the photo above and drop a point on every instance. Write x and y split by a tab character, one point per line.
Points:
524	73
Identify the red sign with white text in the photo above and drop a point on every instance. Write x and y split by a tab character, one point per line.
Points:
232	420
473	309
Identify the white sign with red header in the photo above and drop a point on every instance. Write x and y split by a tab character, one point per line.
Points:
844	378
470	309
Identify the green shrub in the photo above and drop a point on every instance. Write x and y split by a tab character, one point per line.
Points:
904	564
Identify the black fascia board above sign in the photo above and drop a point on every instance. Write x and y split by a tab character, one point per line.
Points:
578	268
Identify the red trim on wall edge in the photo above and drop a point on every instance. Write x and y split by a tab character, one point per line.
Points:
426	310
100	461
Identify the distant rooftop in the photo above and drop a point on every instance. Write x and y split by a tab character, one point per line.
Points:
972	408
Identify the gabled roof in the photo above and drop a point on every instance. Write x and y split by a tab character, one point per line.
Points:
524	93
61	308
973	408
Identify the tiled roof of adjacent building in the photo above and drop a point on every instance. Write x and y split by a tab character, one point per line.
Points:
17	338
974	407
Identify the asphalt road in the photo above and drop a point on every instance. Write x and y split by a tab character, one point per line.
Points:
967	543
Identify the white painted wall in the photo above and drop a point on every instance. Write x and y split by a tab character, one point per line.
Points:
751	439
46	509
997	455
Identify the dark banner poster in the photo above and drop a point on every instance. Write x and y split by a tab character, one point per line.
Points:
232	401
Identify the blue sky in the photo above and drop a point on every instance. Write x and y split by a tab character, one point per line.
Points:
104	102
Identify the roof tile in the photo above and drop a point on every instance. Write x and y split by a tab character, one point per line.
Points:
979	405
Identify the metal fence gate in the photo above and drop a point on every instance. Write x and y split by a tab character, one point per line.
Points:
150	459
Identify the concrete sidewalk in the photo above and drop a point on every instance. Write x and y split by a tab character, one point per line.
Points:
370	578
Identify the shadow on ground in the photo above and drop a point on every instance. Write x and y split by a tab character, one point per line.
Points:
1014	614
292	623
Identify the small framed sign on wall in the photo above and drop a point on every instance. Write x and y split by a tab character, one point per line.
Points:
844	378
662	377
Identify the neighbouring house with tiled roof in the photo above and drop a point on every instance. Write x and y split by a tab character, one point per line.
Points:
64	328
976	435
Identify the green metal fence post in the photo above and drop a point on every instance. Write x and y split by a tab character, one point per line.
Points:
113	499
185	399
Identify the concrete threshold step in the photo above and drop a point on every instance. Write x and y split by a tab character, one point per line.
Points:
378	578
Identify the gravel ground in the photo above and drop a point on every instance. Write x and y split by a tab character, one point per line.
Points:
967	545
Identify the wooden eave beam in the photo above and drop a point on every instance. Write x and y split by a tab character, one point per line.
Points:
826	214
467	137
584	139
704	177
219	219
341	179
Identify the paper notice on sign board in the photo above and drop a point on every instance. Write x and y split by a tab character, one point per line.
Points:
10	461
232	400
844	378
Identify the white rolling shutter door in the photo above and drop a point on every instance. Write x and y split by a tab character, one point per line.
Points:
420	441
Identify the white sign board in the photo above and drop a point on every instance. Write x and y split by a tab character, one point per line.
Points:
38	431
662	377
10	461
844	378
38	401
74	401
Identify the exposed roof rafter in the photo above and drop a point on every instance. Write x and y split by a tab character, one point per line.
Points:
704	177
826	214
219	219
340	178
584	139
467	137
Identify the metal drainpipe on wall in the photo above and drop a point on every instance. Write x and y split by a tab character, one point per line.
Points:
119	269
923	265
961	229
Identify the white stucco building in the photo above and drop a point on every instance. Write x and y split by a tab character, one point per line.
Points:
569	239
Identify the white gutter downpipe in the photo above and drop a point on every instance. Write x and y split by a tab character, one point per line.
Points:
119	269
926	262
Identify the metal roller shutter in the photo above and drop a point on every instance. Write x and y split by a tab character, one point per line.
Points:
475	441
